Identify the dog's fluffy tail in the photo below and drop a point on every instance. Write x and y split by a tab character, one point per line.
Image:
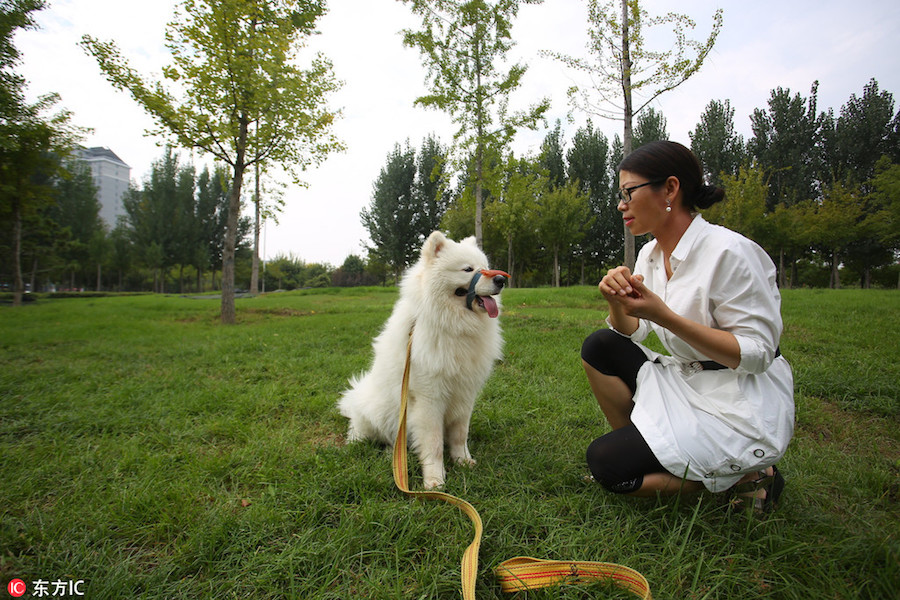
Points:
371	417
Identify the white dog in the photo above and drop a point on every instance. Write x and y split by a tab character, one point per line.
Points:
448	299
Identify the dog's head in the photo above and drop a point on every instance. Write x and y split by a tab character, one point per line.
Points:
458	273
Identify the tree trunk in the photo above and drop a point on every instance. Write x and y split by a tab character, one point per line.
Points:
781	268
509	260
835	276
18	282
228	315
627	115
33	278
254	270
555	267
479	151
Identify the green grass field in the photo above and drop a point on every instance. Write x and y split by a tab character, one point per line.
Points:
154	453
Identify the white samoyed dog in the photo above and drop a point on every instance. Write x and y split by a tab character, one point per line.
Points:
449	299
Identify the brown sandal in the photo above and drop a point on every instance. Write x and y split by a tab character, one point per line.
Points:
772	485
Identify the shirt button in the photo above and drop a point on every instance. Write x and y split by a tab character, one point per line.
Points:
735	468
759	453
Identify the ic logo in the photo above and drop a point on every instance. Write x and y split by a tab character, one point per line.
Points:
16	588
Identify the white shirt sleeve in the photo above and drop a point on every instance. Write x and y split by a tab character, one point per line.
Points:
745	301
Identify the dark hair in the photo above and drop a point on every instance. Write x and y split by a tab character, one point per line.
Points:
663	159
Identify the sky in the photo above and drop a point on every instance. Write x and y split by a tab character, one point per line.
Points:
763	45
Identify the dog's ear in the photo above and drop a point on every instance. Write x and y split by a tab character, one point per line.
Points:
434	245
470	241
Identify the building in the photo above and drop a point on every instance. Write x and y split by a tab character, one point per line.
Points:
111	176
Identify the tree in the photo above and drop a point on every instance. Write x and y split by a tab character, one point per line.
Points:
785	144
552	156
744	210
242	97
831	224
886	193
463	43
715	142
650	127
562	218
99	249
589	164
513	212
156	214
75	213
862	133
210	220
31	142
14	15
430	186
624	67
121	258
390	219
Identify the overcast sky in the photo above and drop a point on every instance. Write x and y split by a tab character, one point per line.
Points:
764	44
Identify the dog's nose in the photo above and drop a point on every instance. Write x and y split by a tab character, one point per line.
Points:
500	278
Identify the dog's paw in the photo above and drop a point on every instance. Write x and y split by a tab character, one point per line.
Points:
466	461
433	483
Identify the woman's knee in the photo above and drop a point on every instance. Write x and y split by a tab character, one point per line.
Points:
599	345
603	463
620	459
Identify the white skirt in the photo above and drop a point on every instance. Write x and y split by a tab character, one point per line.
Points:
713	426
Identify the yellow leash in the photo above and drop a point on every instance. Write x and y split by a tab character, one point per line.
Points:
522	572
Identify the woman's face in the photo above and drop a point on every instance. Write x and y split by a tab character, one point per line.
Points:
646	211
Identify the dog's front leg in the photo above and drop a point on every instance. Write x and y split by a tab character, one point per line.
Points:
428	440
458	440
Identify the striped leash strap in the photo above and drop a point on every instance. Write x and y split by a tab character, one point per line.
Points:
515	574
401	478
524	573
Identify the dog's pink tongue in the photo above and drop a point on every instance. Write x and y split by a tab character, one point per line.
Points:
490	305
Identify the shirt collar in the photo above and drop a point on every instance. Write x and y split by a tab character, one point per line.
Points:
690	236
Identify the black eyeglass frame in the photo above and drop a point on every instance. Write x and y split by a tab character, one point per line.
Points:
625	193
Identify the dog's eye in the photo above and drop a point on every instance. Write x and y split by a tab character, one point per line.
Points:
461	291
468	269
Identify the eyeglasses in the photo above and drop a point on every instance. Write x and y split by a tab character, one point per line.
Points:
625	193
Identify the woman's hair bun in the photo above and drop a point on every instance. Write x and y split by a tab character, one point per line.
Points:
708	195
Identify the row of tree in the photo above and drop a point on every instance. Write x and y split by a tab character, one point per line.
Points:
813	188
549	218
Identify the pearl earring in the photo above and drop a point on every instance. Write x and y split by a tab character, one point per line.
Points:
669	206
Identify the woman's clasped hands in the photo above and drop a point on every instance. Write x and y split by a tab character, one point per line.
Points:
626	291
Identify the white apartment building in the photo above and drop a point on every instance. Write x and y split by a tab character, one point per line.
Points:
111	176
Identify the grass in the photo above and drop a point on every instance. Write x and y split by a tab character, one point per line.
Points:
154	453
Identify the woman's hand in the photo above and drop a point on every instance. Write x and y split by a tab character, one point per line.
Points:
627	296
617	282
629	300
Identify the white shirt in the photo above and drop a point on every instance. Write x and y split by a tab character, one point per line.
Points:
715	426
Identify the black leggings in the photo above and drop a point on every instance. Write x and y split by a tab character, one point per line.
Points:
620	459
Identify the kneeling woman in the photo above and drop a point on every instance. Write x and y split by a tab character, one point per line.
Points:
719	411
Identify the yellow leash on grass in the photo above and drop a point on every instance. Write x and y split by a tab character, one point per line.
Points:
522	572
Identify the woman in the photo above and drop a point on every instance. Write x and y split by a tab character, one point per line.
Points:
719	412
